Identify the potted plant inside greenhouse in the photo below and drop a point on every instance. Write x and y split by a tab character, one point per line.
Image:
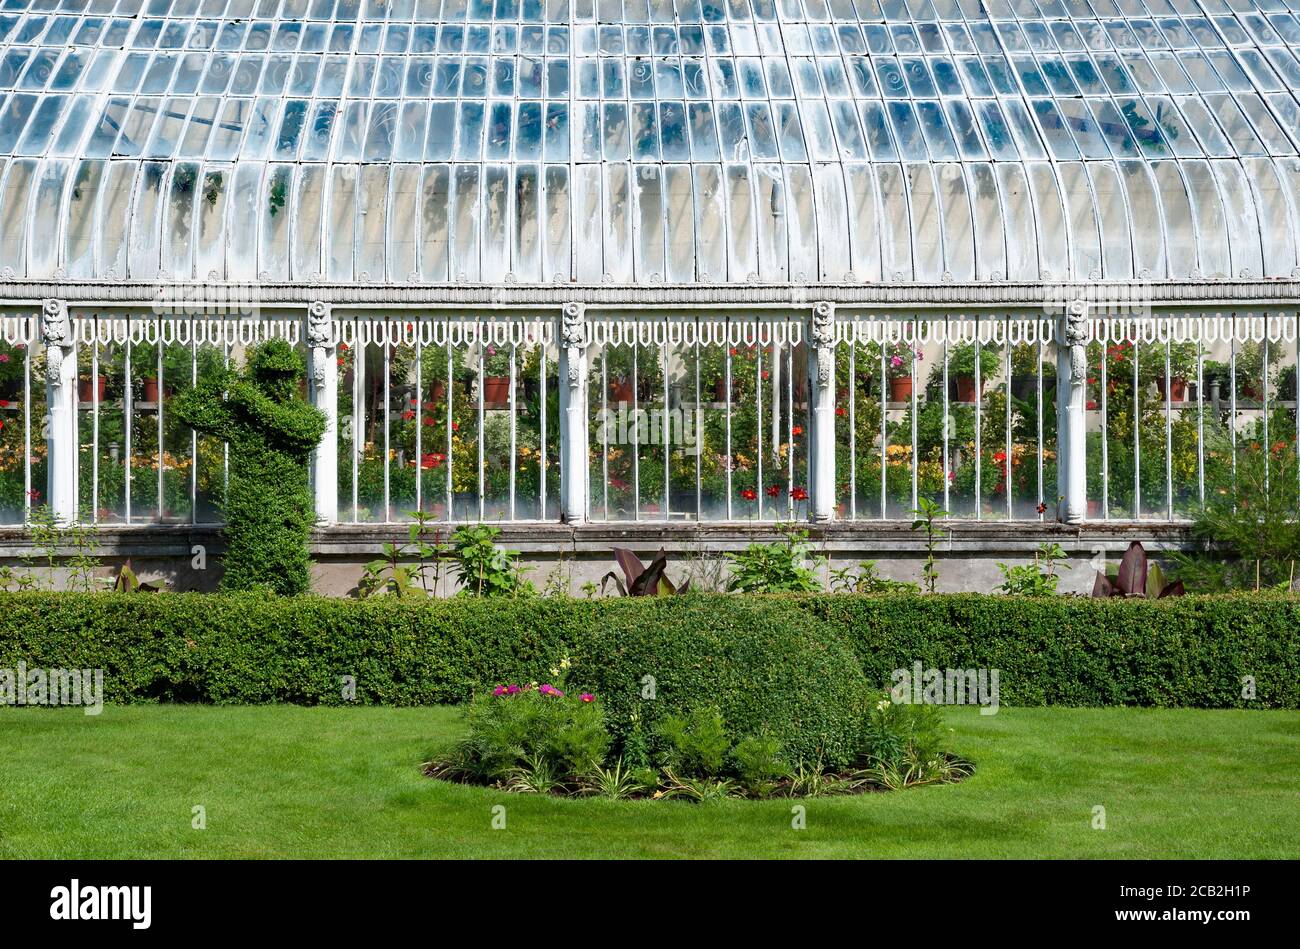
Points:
92	389
1025	370
1182	367
961	371
900	358
13	357
496	377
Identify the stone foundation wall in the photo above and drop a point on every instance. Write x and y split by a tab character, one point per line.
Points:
561	557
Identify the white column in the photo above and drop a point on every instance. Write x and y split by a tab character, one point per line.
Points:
1071	429
574	338
821	442
61	402
323	372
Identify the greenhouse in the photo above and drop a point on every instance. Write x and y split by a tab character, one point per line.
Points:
682	263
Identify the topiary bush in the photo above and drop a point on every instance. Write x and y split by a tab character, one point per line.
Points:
269	511
766	665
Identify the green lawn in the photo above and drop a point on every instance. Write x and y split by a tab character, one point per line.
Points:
316	782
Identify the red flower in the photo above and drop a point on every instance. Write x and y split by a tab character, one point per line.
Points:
455	426
408	414
430	421
1042	507
432	460
1091	404
4	403
774	491
749	494
841	411
1000	456
799	494
798	430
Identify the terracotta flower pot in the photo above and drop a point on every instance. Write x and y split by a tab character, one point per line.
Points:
92	390
965	389
496	391
900	388
437	390
620	391
1094	509
149	389
1177	388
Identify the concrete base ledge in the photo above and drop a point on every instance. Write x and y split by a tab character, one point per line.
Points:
188	557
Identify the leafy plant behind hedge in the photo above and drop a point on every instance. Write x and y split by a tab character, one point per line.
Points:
268	508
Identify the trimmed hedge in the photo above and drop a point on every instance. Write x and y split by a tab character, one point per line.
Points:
1191	651
760	661
1187	651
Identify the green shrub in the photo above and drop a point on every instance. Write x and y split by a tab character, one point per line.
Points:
483	568
1191	651
269	511
696	743
520	731
779	567
1194	651
764	663
759	763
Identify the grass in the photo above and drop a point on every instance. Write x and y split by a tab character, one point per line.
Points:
321	782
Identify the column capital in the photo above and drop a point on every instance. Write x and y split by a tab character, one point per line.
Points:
574	338
56	334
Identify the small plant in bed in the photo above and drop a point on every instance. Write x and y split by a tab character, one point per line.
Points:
549	739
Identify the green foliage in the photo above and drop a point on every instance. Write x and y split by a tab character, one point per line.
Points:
59	546
269	511
924	516
1035	579
866	578
483	568
406	569
1190	651
905	748
759	764
766	665
695	743
532	737
778	567
901	736
1248	534
790	661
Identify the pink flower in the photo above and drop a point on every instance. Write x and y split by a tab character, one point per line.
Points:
587	697
896	361
548	689
4	357
513	690
499	690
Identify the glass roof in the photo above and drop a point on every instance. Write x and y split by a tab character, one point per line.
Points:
649	141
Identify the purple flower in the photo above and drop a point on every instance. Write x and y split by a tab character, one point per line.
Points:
587	697
548	689
499	690
512	690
